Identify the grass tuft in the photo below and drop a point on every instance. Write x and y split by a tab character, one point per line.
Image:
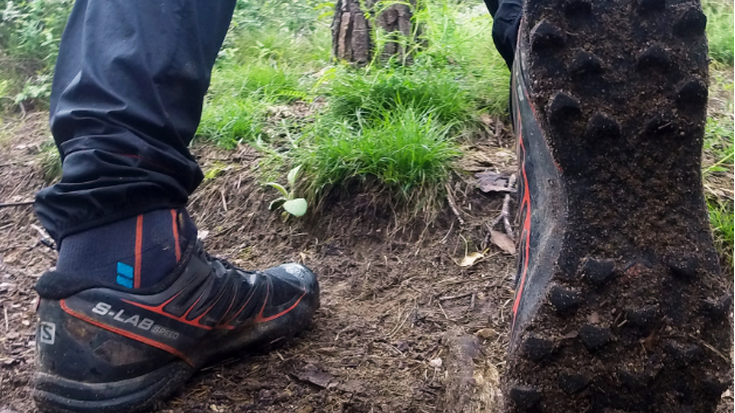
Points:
408	152
236	108
718	164
358	97
721	220
50	162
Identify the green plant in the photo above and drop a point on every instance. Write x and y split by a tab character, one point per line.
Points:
720	30
37	88
30	31
50	162
236	108
718	143
288	201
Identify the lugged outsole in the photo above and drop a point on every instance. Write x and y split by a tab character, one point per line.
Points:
54	394
635	313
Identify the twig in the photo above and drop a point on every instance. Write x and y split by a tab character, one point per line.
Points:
224	203
443	312
503	217
45	237
709	346
506	214
472	301
450	198
713	166
5	316
444	240
394	349
454	297
15	204
22	110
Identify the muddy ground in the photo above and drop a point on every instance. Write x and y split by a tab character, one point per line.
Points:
402	327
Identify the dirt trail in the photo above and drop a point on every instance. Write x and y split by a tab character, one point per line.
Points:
402	327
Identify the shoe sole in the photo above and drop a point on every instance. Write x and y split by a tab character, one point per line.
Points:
56	394
633	312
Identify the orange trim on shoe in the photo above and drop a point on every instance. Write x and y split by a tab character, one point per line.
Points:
138	250
124	333
260	319
159	310
525	203
226	325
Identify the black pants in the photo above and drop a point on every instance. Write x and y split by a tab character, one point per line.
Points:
126	101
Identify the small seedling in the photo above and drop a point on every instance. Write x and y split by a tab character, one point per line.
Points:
294	206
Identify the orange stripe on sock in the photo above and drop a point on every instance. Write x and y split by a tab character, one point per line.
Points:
138	250
175	227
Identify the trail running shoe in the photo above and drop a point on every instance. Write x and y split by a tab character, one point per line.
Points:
620	302
108	350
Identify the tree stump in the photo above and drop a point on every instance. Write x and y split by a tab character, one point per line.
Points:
353	39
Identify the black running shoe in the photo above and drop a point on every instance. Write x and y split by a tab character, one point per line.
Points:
620	302
107	350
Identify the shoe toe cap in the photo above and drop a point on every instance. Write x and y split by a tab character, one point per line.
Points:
298	273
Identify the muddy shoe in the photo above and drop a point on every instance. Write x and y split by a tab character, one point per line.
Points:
106	350
621	305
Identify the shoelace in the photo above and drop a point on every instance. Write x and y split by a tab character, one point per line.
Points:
226	264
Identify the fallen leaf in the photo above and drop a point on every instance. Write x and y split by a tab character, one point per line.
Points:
311	374
470	259
351	386
503	241
486	333
490	181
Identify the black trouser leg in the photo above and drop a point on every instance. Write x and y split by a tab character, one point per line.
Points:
506	19
126	101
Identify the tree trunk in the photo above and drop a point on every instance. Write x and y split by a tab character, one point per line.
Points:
353	39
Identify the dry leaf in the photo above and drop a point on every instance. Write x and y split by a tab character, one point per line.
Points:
503	241
470	259
490	181
315	376
486	333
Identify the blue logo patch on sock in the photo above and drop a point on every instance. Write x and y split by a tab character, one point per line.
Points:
124	275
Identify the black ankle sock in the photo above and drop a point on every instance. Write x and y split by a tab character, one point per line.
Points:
134	253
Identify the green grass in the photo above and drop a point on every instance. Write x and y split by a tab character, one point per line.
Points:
720	30
50	162
390	125
721	219
407	152
236	108
718	143
357	96
718	163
